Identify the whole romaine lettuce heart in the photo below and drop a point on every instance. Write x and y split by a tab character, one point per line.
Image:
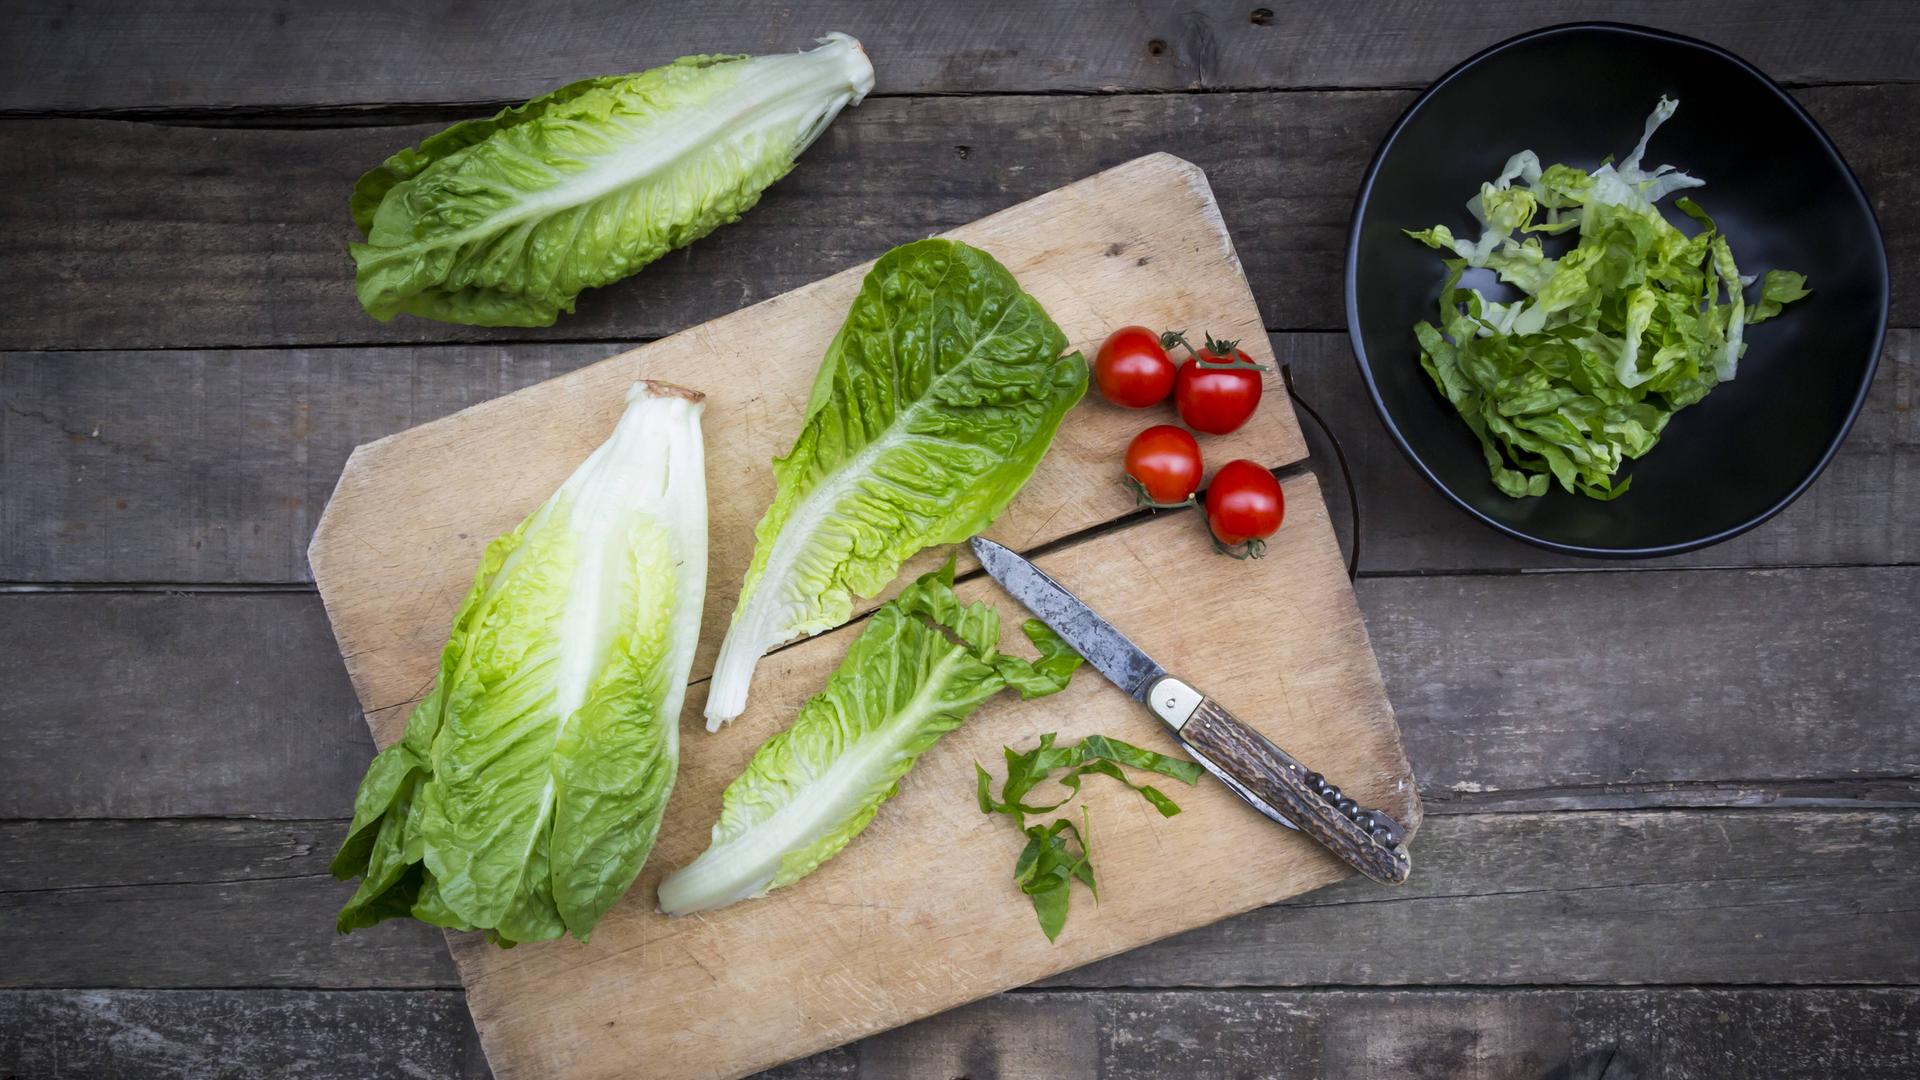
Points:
504	221
529	786
933	405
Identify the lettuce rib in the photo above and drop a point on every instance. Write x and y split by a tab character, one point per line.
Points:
934	403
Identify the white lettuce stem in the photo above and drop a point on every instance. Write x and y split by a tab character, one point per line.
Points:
732	674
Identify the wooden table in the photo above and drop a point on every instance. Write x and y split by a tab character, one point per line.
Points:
1673	807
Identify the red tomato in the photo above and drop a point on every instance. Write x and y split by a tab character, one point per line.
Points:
1244	507
1163	466
1132	368
1217	388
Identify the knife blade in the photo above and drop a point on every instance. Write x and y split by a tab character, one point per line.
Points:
1250	765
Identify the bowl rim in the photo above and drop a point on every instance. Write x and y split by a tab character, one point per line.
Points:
1628	30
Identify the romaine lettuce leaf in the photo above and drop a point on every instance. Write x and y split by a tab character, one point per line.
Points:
503	221
529	786
1610	339
934	403
921	665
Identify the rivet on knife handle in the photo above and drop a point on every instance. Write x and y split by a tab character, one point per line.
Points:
1367	840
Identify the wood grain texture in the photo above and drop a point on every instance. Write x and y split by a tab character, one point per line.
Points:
293	1035
235	704
210	466
143	235
1634	897
139	705
277	55
394	552
189	466
1863	1034
1498	666
1596	898
891	930
1526	1035
251	904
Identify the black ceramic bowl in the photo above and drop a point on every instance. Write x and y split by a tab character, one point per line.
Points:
1775	186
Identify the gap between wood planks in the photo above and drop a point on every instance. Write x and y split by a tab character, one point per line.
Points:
1812	794
1132	989
193	588
400	114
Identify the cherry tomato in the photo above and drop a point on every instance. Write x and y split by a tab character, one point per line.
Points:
1132	368
1217	388
1163	466
1244	507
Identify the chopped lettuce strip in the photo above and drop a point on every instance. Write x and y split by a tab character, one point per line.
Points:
923	663
530	783
1638	321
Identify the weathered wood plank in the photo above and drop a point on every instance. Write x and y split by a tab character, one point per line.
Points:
51	856
1571	1034
233	54
1636	897
213	467
190	466
1773	896
295	1035
155	706
90	904
1056	1035
1414	1032
231	704
1572	679
143	235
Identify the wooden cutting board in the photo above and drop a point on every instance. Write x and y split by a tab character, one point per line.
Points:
920	913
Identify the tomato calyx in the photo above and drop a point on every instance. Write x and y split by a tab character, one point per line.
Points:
1142	498
1215	355
1251	548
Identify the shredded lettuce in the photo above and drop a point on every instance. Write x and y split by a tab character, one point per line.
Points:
1636	322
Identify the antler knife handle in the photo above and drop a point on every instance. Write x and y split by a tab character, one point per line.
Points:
1368	840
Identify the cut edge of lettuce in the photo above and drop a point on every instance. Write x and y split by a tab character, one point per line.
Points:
933	405
918	669
530	783
1638	321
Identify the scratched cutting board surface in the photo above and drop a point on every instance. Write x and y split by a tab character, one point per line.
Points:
920	913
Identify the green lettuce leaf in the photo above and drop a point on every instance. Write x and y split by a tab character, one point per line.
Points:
503	221
1581	375
529	786
921	665
933	405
